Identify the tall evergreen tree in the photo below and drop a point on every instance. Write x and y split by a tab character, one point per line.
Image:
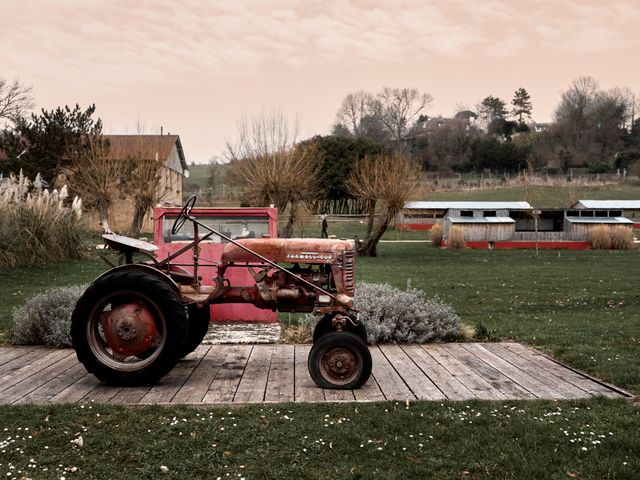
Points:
492	108
521	104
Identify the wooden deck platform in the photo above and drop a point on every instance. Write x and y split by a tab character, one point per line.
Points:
278	373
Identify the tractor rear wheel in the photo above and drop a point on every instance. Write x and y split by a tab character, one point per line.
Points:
129	328
198	327
339	360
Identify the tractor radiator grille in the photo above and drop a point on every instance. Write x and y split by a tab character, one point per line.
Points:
348	269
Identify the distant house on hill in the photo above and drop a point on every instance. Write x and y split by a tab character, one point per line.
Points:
428	125
167	148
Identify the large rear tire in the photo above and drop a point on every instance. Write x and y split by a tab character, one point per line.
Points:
198	327
129	328
339	360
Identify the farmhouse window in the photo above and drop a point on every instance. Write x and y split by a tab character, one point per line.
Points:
466	213
490	213
615	213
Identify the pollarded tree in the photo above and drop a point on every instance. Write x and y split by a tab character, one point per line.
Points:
94	176
522	106
144	180
270	168
385	182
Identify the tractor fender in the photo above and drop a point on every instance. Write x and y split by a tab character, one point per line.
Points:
146	269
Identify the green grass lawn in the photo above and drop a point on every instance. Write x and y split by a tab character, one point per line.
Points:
521	440
545	197
579	306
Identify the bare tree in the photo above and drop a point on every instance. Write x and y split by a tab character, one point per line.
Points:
591	121
146	182
94	176
270	168
354	109
384	181
15	99
578	105
395	108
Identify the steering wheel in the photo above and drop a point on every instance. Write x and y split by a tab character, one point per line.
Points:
183	215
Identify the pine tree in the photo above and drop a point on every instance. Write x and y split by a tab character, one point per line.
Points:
521	104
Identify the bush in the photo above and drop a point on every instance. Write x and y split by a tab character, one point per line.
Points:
623	238
36	225
600	237
46	318
436	235
456	238
393	315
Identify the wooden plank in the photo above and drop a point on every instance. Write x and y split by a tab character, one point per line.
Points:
130	395
22	363
305	388
254	380
419	383
369	392
522	378
391	384
44	393
10	353
198	383
494	377
452	388
36	380
103	393
31	369
468	377
280	383
224	386
167	387
332	395
76	391
525	364
569	375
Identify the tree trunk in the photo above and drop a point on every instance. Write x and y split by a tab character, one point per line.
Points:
371	207
139	211
369	247
103	213
293	213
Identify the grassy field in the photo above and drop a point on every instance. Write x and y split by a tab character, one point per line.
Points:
480	440
543	196
579	306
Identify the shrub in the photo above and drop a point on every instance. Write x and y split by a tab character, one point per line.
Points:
456	238
36	225
46	318
623	239
600	237
436	235
393	315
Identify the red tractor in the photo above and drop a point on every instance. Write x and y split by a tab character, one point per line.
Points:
135	321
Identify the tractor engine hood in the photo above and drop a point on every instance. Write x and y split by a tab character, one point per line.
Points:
287	250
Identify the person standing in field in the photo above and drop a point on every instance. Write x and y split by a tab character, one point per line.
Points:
325	227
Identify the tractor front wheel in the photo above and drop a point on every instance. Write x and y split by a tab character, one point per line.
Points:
129	328
339	360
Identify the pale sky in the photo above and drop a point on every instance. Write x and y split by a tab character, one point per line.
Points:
196	67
